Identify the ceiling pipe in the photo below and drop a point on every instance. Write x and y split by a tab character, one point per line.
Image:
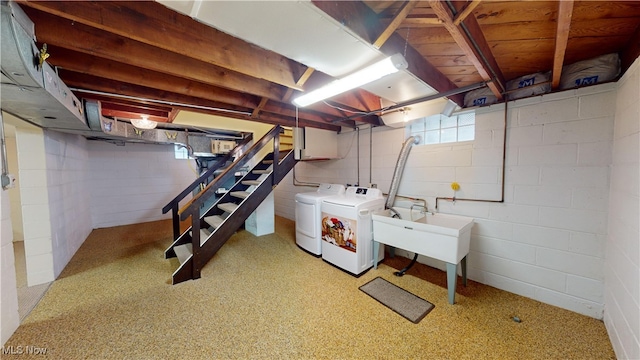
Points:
423	99
171	103
494	76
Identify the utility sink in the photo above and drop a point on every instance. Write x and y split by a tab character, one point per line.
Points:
440	236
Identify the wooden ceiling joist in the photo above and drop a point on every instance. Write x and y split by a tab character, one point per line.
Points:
469	37
363	21
258	108
563	25
404	11
468	9
151	23
58	32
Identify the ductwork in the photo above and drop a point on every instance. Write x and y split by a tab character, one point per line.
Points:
397	173
31	89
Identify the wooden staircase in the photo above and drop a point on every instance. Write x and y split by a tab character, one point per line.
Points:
215	219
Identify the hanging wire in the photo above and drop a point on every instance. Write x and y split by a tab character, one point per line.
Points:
406	42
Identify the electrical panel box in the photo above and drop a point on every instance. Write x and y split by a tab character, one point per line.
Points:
222	146
316	144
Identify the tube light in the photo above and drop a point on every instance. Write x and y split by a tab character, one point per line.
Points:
371	73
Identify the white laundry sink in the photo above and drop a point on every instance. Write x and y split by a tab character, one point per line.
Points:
440	236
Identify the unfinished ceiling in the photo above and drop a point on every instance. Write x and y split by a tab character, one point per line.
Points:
247	60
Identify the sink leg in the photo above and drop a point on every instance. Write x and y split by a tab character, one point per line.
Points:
463	265
376	252
451	282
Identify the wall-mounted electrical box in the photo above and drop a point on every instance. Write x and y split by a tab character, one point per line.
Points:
222	146
315	144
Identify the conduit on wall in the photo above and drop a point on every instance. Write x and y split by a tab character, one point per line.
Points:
504	155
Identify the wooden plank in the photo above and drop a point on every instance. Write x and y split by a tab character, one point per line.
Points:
76	80
404	11
261	105
472	42
363	21
466	11
603	27
86	64
84	39
504	12
151	23
563	23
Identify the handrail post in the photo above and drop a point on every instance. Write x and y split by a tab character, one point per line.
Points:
276	157
175	220
195	240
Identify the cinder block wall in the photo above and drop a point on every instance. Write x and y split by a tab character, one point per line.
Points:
546	240
67	161
622	264
131	184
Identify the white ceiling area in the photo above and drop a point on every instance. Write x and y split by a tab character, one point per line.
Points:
300	31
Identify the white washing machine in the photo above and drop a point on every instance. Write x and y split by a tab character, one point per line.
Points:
347	229
308	216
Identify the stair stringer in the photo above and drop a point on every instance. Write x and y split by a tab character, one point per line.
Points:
191	268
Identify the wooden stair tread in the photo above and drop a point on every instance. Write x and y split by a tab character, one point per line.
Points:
251	182
183	252
240	194
228	207
214	221
267	171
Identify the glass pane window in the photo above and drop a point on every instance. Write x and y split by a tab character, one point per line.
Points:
438	129
181	152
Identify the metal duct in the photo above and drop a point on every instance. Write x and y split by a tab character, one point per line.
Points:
30	90
397	174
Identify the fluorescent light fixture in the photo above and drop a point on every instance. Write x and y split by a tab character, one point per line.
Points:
371	73
144	123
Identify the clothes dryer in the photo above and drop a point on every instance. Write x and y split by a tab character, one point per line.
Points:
308	216
347	240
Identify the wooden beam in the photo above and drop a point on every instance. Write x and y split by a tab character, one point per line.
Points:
151	23
110	86
86	64
420	21
468	9
256	111
563	25
470	39
63	33
301	81
404	11
363	21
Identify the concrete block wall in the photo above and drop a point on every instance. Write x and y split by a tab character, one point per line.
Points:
622	263
67	163
131	184
546	240
8	295
34	193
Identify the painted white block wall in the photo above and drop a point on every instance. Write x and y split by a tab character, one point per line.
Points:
9	296
622	264
14	193
68	189
34	193
131	184
546	240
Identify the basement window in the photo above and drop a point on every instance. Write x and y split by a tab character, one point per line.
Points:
440	129
181	152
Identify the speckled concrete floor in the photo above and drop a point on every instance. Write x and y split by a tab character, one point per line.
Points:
263	297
